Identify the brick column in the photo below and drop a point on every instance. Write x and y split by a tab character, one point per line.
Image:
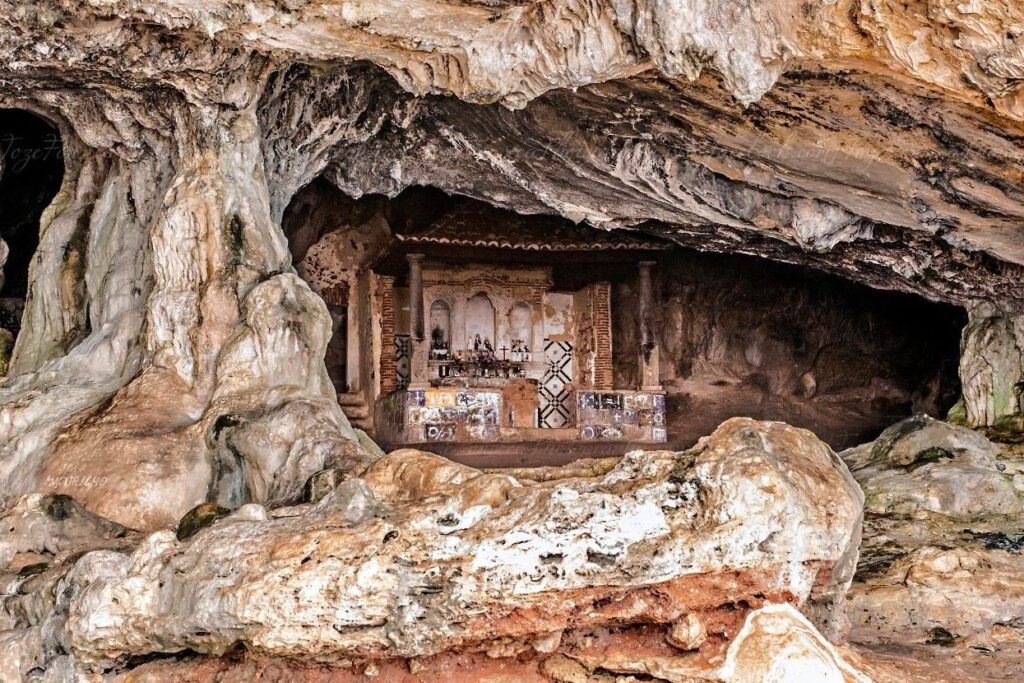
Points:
388	368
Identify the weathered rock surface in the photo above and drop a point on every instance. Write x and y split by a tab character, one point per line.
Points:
513	51
42	529
970	593
444	557
922	465
41	539
941	559
419	556
775	643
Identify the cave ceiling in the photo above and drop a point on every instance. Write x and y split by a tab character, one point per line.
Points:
878	140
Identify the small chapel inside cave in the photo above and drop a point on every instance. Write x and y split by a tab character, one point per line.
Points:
463	323
464	328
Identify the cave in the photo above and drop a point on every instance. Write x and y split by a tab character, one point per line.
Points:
726	335
31	173
543	340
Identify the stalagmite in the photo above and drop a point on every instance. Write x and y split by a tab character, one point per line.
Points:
992	365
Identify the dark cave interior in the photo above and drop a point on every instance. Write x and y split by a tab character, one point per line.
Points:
31	175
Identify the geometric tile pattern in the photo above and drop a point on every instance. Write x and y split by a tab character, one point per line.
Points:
403	351
449	414
554	396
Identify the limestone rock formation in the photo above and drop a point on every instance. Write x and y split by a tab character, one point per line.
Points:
774	643
922	465
942	550
936	593
169	356
418	556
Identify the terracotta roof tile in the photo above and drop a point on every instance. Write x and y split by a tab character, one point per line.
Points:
474	226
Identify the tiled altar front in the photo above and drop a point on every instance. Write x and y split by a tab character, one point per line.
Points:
457	414
635	416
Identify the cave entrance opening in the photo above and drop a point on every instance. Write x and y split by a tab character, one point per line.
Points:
505	339
31	173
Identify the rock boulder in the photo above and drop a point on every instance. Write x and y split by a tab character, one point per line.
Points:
443	558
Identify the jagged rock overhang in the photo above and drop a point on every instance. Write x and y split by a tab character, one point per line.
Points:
893	205
846	171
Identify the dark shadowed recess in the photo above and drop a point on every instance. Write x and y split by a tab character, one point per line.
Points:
742	335
738	335
32	171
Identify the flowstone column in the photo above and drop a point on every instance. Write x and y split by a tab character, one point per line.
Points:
992	366
185	360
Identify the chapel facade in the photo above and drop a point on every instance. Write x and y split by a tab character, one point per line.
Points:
482	326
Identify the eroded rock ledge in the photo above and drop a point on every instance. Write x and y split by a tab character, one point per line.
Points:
417	556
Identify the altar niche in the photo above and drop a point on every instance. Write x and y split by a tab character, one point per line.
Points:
463	328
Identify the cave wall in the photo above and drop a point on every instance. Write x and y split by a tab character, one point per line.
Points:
744	336
170	355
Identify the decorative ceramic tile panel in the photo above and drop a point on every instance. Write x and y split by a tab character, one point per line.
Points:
451	414
621	416
555	396
439	432
403	352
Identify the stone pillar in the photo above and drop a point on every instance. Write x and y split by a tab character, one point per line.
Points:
992	366
650	374
415	296
418	370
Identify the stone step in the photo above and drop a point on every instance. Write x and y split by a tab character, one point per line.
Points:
351	400
356	412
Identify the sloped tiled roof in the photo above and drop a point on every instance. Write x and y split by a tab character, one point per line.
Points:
487	227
